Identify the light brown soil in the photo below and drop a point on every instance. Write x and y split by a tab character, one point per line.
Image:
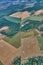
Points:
4	28
38	12
1	36
7	53
30	48
38	32
25	14
18	15
21	15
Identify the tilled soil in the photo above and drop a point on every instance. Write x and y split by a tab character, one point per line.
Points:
30	48
8	53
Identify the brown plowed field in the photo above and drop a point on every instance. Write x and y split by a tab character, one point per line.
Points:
30	48
7	53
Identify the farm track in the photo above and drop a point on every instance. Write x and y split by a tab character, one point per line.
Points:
8	53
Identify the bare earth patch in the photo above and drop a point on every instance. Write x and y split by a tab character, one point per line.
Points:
38	12
4	28
30	48
1	36
21	15
7	53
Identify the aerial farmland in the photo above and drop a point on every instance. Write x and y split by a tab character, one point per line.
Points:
21	32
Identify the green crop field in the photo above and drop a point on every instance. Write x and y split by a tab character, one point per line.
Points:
12	19
34	18
14	40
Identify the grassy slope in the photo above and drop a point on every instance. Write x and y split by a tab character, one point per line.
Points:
1	63
37	18
12	19
15	40
18	20
34	18
40	40
27	34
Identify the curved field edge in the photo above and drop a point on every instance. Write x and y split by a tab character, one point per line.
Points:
14	40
